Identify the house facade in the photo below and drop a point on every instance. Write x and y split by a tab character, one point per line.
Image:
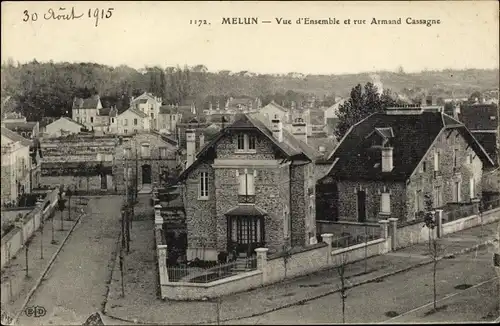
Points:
16	166
85	111
145	156
386	164
63	126
168	119
150	105
131	121
251	186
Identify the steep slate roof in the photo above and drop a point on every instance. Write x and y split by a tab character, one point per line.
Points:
317	117
290	146
88	103
478	116
143	100
15	137
413	136
488	141
167	109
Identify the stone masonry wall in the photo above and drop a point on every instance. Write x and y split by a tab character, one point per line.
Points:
347	204
426	181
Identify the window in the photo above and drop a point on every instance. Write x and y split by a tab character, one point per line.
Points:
91	119
456	191
246	142
127	152
455	158
241	142
246	189
112	120
163	152
125	131
84	119
436	161
385	202
145	152
472	184
152	115
286	225
251	142
125	122
423	167
419	201
469	159
438	196
203	189
135	122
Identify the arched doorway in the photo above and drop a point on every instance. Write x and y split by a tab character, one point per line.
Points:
146	174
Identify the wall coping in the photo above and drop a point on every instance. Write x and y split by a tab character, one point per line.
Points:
358	246
297	250
460	220
214	283
374	224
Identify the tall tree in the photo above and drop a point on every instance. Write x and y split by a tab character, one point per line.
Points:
363	102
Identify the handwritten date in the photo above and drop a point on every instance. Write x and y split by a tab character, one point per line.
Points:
70	14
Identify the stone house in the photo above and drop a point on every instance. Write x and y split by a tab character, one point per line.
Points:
388	162
147	155
16	166
86	110
132	121
251	186
150	105
168	119
63	126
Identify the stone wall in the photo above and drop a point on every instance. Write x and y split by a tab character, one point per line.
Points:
347	203
13	241
77	182
427	180
354	229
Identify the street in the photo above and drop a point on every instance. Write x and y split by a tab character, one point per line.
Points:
408	295
75	287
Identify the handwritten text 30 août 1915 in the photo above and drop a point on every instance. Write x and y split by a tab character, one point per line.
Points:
67	14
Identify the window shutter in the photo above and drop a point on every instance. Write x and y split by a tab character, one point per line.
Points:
250	184
241	184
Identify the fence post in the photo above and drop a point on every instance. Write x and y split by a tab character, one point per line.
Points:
262	262
475	205
162	266
384	228
328	239
394	232
439	222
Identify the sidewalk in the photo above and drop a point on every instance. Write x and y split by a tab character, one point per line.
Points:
15	285
141	305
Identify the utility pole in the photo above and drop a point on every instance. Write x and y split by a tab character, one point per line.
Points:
136	172
127	211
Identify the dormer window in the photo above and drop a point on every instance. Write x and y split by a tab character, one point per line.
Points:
246	143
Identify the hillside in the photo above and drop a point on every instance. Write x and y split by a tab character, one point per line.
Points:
47	89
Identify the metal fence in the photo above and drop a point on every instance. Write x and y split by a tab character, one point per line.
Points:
192	274
492	204
458	213
348	240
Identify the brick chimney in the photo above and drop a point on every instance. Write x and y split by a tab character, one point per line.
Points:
387	164
277	128
190	146
299	129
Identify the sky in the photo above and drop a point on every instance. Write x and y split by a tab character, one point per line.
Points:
143	33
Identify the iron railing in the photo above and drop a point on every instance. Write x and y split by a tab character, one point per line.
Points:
192	274
347	240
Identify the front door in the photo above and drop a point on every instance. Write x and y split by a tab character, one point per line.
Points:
245	234
361	206
104	182
146	174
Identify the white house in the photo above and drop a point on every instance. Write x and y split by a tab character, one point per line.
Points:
149	105
86	110
16	165
272	110
63	126
131	121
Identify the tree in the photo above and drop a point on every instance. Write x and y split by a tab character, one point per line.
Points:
341	267
287	254
362	103
435	248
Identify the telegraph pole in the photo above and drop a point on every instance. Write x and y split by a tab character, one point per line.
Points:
127	204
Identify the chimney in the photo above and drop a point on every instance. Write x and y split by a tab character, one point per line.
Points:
387	159
299	129
277	128
190	146
202	140
456	111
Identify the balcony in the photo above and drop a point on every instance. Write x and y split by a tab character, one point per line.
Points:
246	199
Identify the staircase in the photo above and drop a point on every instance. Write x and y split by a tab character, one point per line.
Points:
146	189
242	264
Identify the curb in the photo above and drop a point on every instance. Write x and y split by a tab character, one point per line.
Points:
371	280
51	262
